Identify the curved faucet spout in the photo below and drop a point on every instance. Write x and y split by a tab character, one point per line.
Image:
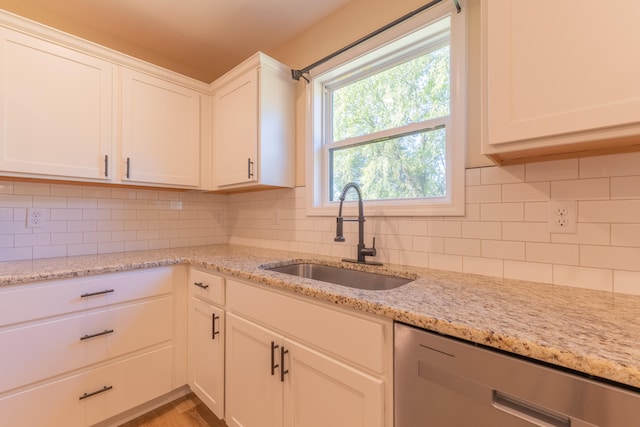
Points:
363	251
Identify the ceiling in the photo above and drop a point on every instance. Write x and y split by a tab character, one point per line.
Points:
200	38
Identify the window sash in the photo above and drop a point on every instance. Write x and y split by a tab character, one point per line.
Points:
336	72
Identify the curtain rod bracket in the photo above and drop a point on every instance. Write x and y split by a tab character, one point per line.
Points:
296	74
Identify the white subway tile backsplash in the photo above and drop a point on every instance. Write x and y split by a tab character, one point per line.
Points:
483	266
554	170
625	235
526	231
553	253
469	247
472	177
530	271
611	211
502	175
586	234
445	228
504	231
503	250
627	187
583	277
626	282
624	164
583	189
482	230
31	188
611	257
536	212
502	212
484	194
445	262
526	192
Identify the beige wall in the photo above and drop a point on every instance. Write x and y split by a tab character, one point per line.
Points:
38	14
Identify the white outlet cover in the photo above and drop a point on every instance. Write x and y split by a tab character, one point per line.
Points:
562	216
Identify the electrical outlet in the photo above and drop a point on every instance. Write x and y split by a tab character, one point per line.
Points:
35	218
562	216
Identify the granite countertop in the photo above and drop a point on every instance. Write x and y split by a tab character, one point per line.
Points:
594	332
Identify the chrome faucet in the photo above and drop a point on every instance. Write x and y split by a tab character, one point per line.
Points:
362	250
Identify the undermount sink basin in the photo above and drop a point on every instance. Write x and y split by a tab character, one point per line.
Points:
343	276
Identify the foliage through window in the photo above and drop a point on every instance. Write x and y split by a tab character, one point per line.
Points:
385	119
410	165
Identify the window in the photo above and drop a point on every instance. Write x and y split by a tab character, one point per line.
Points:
390	116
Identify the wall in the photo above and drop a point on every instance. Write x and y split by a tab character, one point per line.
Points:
504	233
86	220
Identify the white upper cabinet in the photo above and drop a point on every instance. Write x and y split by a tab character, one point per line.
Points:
160	131
56	110
559	77
253	126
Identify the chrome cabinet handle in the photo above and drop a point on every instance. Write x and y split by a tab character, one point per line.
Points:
92	294
274	347
93	393
127	174
201	285
213	326
105	332
282	370
106	165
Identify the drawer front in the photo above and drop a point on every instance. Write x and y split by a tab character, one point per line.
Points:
38	300
39	351
358	340
207	286
128	383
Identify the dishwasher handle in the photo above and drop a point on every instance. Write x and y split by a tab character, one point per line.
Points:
528	411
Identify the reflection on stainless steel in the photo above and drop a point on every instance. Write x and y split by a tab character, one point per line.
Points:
343	276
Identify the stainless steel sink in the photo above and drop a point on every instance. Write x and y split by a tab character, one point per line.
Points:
343	276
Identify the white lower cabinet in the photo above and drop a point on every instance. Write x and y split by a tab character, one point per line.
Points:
89	397
279	374
76	352
207	339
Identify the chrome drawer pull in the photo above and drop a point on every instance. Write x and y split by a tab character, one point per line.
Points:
200	285
92	294
105	332
93	393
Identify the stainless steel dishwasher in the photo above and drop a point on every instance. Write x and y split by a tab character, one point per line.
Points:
443	382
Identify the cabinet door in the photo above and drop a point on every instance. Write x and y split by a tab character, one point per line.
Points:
236	131
553	70
160	131
55	110
253	389
320	391
206	354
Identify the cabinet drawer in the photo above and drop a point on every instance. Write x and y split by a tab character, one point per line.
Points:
38	300
58	404
207	286
42	350
351	337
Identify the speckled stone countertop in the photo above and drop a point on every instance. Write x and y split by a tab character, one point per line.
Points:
594	332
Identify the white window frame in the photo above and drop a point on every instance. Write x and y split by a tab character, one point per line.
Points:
386	47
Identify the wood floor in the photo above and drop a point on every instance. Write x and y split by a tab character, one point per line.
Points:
187	411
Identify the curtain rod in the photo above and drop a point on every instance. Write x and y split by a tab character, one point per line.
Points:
296	74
